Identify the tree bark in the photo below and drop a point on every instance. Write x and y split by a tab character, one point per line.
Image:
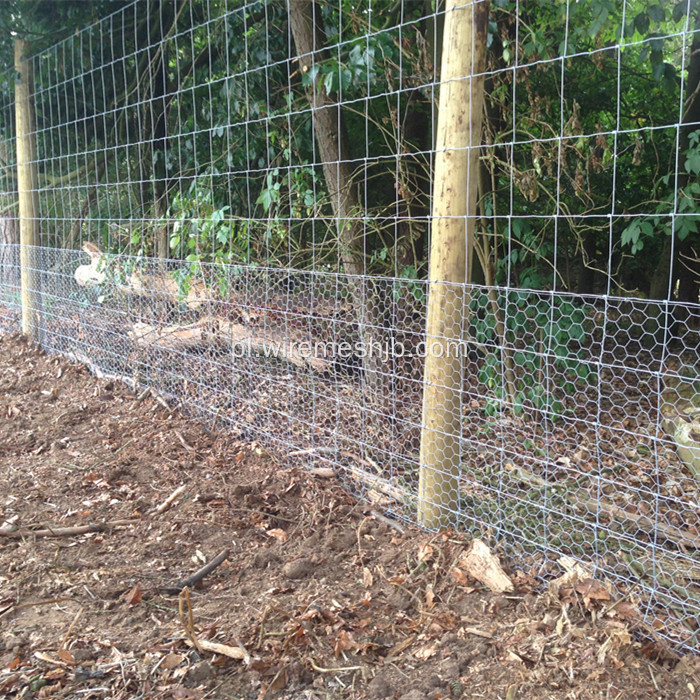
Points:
686	264
331	136
159	27
332	140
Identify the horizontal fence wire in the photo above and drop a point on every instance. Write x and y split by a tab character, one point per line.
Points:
244	228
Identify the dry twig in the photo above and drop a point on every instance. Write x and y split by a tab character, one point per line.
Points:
65	531
169	500
180	587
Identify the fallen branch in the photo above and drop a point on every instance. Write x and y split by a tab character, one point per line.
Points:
240	653
70	630
323	472
13	608
211	329
169	500
187	622
578	498
320	669
377	486
82	359
198	576
65	531
388	521
173	337
223	649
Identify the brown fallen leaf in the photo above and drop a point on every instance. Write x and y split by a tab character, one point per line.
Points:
279	682
66	656
591	590
279	534
426	553
344	642
13	664
425	652
172	660
625	611
185	694
429	597
459	576
133	597
49	691
400	647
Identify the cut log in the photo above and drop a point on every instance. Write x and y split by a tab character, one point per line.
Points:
175	337
481	564
139	283
243	339
271	345
157	285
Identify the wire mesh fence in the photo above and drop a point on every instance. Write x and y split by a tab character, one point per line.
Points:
251	187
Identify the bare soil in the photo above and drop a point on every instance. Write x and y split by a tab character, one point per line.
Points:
320	595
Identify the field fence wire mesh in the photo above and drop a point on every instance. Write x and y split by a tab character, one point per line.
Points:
244	227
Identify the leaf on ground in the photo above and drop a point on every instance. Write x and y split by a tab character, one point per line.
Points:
426	553
13	664
625	611
592	590
172	661
425	652
459	576
344	641
279	682
279	534
134	596
66	656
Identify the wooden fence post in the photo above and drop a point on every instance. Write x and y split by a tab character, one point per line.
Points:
27	188
453	221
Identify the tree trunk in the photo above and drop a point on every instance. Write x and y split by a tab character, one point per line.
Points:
160	21
686	265
451	251
9	254
331	136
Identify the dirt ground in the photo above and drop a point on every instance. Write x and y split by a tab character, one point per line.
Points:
319	597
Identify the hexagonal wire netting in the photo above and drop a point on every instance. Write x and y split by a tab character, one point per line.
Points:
184	148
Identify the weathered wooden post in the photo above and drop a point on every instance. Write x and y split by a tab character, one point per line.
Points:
453	221
28	191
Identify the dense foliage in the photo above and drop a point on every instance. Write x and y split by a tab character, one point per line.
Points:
183	129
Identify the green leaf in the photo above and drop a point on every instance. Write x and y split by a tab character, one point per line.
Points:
631	234
309	78
680	11
641	23
685	225
331	82
656	13
692	163
657	70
